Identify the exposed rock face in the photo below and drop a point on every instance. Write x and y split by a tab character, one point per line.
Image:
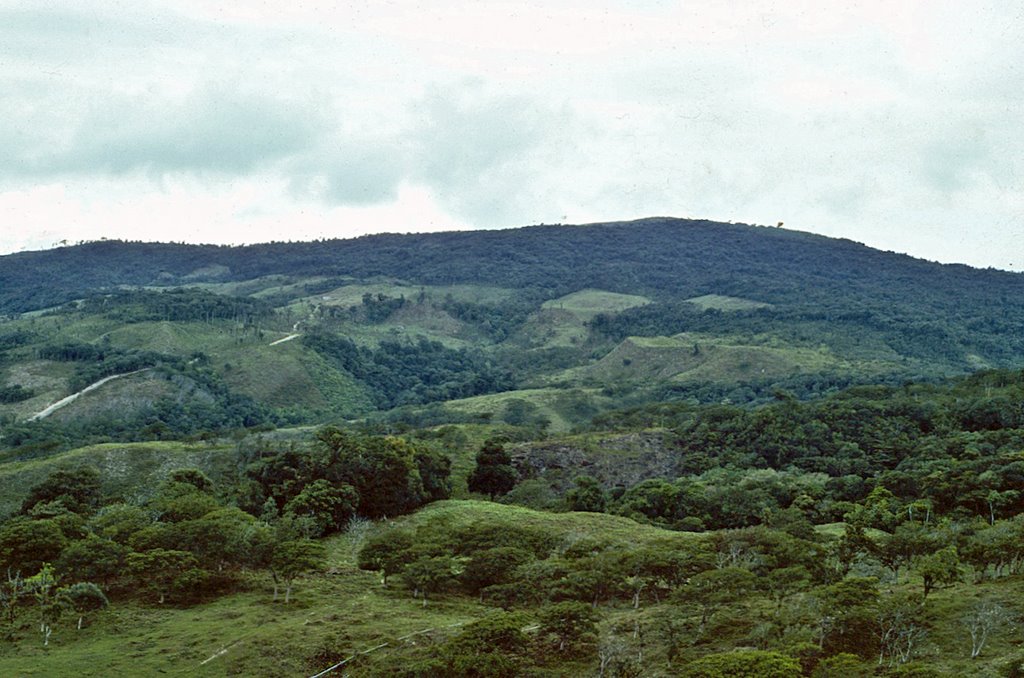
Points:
613	460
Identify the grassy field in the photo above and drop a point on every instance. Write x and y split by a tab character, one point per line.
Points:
724	303
352	295
456	514
700	357
550	403
282	375
563	322
335	614
127	469
586	304
341	612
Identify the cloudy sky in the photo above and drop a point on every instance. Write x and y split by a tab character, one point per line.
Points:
898	124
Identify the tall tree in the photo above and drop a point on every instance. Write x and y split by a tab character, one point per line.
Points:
293	558
494	474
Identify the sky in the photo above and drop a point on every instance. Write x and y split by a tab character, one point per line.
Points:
898	124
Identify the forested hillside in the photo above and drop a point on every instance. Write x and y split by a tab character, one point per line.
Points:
661	447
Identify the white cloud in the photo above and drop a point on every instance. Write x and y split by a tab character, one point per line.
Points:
894	124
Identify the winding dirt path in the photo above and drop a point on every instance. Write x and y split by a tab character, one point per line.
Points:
288	338
75	396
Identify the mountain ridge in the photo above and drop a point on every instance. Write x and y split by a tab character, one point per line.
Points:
107	264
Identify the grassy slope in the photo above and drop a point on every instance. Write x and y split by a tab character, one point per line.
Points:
545	399
278	376
586	304
723	303
562	322
127	469
342	611
702	357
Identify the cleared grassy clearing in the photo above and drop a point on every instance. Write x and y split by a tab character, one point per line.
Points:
550	403
721	302
698	357
586	304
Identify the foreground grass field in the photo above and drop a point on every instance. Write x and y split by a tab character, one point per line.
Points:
343	613
335	614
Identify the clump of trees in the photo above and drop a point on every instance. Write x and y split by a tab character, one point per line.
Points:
400	373
70	546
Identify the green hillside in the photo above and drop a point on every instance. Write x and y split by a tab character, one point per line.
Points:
666	305
662	447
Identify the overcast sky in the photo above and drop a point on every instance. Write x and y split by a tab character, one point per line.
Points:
897	124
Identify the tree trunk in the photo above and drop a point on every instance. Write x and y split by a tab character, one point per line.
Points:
80	622
287	592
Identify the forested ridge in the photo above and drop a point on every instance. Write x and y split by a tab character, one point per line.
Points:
667	258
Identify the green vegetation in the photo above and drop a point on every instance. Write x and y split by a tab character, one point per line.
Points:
675	448
720	302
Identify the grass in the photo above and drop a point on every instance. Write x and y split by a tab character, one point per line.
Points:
563	322
284	375
546	400
352	295
341	611
455	514
585	304
127	469
118	398
48	379
723	303
693	357
335	613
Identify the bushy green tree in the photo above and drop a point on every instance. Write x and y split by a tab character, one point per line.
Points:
712	589
328	506
387	552
118	522
492	566
492	647
847	613
92	559
494	474
25	545
84	598
162	572
429	575
572	624
294	558
77	489
587	495
941	568
193	477
745	664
